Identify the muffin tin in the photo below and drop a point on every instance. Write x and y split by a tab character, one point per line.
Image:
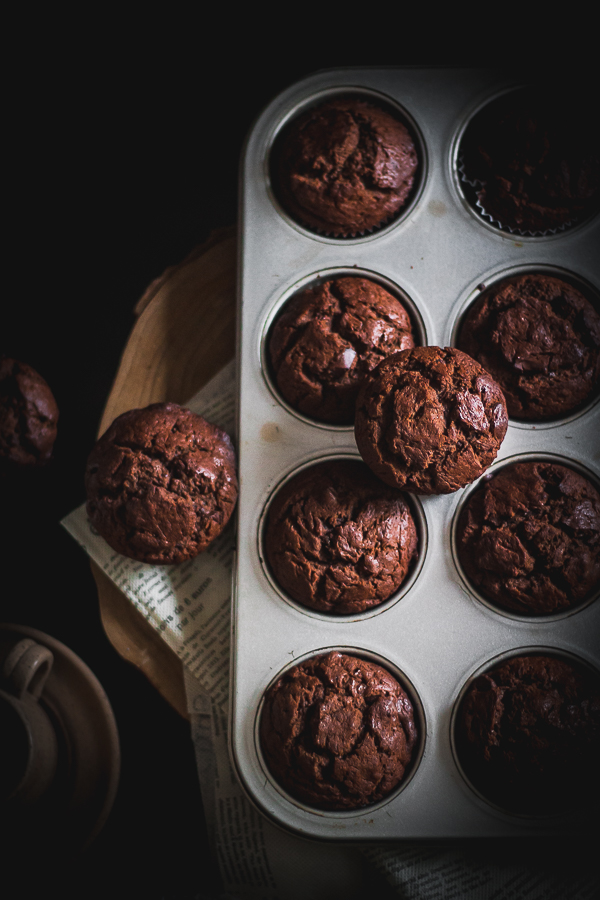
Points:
439	253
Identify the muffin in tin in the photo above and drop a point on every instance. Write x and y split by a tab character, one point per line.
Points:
429	420
327	337
338	732
530	160
344	167
527	734
528	538
539	338
337	539
161	483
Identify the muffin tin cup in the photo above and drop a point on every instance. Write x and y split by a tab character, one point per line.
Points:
478	595
411	576
468	187
419	329
491	280
378	99
420	721
437	632
531	818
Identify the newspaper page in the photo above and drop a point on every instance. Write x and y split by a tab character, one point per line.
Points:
257	860
190	606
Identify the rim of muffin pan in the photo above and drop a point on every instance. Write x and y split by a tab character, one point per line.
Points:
407	585
491	280
467	192
475	593
377	98
313	280
459	694
419	715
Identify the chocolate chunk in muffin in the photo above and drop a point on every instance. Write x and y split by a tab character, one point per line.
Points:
338	732
533	156
528	735
539	338
339	540
528	538
344	167
328	337
28	417
161	483
429	420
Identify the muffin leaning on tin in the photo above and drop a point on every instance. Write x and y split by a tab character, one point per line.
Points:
429	420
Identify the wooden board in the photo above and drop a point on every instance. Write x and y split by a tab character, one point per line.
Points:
184	333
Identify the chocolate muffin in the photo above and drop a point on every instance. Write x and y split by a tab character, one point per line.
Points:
161	483
429	420
339	540
539	338
528	538
533	156
338	732
28	417
328	337
344	167
528	735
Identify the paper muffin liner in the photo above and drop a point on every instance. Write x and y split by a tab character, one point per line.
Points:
479	208
341	235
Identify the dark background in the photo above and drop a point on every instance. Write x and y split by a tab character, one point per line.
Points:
117	167
114	172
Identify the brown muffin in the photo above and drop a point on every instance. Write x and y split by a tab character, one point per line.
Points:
533	157
28	416
429	420
337	539
328	337
528	735
539	338
338	732
344	167
161	483
528	538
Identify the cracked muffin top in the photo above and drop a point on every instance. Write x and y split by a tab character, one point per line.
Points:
344	167
161	483
528	538
429	420
339	540
528	734
338	732
539	338
28	416
328	337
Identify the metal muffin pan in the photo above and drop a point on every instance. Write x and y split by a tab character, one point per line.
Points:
437	633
